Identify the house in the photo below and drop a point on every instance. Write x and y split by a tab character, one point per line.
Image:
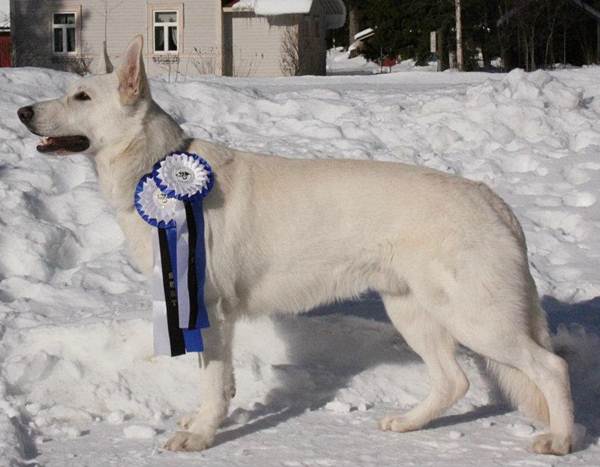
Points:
5	40
5	46
182	37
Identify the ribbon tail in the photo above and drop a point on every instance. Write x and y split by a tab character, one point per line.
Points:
162	343
192	335
183	270
168	247
202	321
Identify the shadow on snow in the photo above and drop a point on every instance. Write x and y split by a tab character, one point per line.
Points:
330	345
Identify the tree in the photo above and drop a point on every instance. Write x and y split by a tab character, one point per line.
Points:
459	42
525	33
354	19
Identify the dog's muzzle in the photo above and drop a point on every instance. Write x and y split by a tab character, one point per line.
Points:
57	144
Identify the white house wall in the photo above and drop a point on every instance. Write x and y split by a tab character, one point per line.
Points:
199	23
210	41
253	44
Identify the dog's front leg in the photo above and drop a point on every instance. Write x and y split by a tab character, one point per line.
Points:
217	388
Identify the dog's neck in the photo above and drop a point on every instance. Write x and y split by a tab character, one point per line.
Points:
120	166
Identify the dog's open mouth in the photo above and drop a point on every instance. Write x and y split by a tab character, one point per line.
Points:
63	144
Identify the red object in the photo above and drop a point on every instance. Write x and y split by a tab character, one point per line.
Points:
5	49
390	61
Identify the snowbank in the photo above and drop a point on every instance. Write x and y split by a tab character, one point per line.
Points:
78	374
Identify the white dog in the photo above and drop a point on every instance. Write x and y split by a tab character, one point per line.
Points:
447	255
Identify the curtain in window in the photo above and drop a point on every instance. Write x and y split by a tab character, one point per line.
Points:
165	17
173	38
159	38
71	40
58	40
64	18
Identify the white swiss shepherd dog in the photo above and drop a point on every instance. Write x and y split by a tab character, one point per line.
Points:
447	255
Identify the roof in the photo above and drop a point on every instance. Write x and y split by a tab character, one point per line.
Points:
335	10
364	34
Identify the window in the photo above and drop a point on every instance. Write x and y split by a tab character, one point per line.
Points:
63	29
166	32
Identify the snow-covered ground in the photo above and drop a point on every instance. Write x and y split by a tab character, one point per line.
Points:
338	63
79	385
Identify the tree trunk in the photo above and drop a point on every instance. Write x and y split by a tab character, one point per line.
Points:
564	44
549	56
598	42
525	40
532	62
353	23
459	42
442	52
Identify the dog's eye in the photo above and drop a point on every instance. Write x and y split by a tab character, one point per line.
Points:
82	96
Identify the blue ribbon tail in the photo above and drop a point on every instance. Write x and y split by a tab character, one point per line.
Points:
193	340
202	317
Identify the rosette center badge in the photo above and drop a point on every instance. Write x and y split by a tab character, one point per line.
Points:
184	176
162	200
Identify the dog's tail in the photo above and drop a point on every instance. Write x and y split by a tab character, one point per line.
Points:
520	391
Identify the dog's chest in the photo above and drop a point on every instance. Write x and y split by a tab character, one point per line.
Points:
117	180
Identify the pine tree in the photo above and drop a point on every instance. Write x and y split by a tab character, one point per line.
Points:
525	33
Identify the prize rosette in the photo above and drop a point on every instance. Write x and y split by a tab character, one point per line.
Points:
155	206
184	176
170	198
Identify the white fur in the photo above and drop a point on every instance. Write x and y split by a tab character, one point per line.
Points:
446	254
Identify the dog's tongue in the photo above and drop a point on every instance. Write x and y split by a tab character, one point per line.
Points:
63	144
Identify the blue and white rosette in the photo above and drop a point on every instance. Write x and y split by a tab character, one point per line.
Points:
155	207
170	198
184	176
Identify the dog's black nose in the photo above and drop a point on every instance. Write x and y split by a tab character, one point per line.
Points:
25	114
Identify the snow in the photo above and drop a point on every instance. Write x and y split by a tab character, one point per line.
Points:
364	33
4	13
275	7
335	10
139	432
79	384
338	63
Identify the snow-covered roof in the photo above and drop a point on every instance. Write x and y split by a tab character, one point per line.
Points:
335	10
4	14
364	34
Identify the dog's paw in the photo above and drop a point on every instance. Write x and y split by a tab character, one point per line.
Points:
552	444
186	441
186	421
397	423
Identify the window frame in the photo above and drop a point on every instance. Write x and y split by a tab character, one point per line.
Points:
64	28
165	27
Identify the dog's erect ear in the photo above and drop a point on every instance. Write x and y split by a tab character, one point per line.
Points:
104	64
133	83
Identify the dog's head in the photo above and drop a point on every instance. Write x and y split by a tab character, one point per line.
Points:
96	111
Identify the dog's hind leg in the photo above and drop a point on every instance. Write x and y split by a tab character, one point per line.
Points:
507	342
437	349
217	388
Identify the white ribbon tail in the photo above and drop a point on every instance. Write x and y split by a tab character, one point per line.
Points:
162	342
183	293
